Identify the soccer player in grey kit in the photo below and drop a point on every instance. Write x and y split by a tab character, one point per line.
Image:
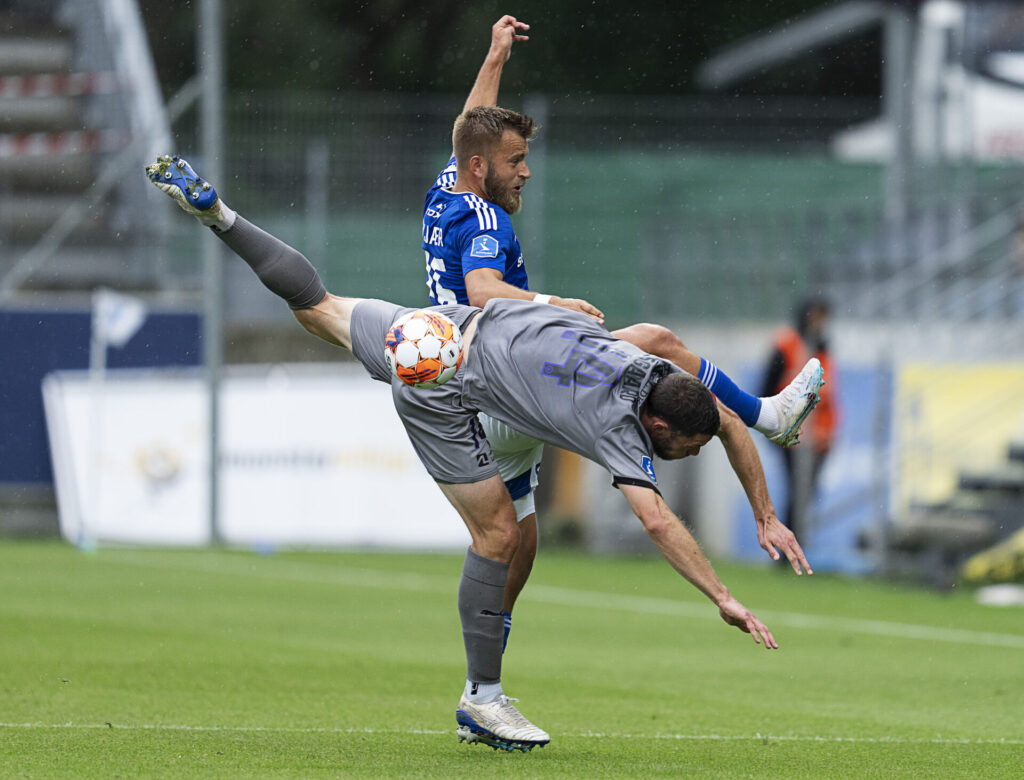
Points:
558	376
472	255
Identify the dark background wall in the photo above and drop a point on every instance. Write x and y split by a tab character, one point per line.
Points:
576	46
36	342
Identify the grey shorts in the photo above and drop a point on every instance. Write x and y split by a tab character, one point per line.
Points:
448	439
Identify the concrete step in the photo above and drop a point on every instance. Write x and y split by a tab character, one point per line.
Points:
963	501
33	114
85	265
21	56
1008	478
31	18
25	217
948	529
60	172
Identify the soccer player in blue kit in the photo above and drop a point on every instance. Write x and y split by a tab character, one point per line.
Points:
563	379
473	255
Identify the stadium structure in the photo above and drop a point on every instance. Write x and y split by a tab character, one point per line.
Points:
904	211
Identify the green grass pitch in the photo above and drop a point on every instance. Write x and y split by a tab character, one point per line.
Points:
221	664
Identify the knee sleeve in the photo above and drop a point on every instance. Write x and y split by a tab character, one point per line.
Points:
284	271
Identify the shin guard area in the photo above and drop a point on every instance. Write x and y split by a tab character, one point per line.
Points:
481	597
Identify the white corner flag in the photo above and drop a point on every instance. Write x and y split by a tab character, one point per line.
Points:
115	317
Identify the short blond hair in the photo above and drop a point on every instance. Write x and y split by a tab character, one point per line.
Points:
479	130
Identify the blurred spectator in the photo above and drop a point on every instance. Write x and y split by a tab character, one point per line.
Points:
792	348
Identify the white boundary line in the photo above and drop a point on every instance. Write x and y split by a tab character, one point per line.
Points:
569	597
939	740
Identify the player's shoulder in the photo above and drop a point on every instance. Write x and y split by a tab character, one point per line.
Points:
441	204
468	212
489	216
446	178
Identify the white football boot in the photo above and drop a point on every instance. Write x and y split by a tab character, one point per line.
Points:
795	402
498	724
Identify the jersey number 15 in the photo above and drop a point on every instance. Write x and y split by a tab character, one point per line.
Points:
442	295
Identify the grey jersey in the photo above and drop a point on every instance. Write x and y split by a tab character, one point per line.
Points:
544	370
559	376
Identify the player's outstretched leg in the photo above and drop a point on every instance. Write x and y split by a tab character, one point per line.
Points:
498	724
795	402
778	417
283	269
196	196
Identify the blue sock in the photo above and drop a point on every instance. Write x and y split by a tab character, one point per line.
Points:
508	627
747	406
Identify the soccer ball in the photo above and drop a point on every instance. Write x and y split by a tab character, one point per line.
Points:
423	348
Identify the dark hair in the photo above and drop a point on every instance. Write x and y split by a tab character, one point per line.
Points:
479	130
685	404
807	307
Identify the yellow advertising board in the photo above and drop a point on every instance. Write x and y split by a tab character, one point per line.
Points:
952	417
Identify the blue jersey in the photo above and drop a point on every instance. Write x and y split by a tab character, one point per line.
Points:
463	232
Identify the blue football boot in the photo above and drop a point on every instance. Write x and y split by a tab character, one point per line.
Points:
193	194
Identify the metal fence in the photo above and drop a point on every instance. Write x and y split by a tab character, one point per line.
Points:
667	209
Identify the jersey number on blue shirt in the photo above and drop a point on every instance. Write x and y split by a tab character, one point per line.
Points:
436	291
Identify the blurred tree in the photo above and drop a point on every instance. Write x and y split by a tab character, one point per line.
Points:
575	45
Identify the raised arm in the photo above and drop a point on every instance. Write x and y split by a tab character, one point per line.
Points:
685	556
506	31
772	535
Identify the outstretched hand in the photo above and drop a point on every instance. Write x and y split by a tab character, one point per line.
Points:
580	305
506	31
773	536
735	614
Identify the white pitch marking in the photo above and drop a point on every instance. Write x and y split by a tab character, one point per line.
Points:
579	735
659	606
570	597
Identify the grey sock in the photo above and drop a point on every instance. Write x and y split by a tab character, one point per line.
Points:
481	596
284	271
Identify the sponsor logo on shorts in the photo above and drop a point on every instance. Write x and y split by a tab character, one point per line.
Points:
481	448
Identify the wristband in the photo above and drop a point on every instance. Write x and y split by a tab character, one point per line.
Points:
541	298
